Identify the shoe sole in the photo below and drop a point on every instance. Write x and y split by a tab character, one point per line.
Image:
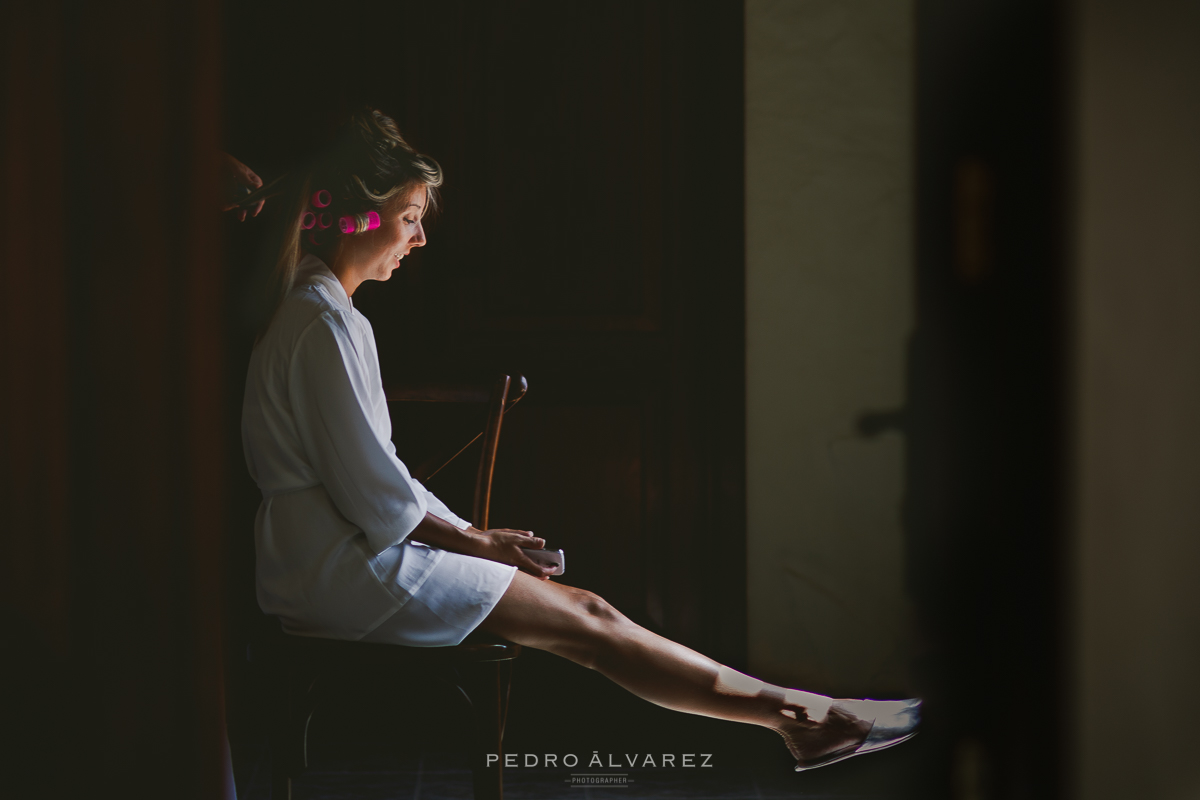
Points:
857	751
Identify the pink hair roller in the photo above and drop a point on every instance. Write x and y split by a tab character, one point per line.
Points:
359	223
308	220
313	240
324	220
321	198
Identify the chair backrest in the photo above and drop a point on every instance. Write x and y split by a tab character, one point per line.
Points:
499	397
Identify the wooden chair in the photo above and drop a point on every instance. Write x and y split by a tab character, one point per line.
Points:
297	670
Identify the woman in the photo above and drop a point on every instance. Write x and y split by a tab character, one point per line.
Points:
350	546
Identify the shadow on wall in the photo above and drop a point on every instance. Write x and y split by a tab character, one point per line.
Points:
986	380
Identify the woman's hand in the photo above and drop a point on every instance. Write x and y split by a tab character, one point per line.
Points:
239	178
504	545
499	544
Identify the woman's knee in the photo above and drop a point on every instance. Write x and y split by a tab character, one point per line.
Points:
596	609
550	616
598	627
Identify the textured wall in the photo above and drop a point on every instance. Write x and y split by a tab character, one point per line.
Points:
829	110
1137	541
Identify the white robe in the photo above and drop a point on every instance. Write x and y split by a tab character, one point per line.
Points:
333	557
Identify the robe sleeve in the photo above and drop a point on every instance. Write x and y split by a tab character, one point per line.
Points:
331	398
440	509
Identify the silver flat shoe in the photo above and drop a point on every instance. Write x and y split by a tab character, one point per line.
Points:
896	721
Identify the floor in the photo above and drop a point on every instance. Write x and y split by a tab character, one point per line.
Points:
397	741
380	772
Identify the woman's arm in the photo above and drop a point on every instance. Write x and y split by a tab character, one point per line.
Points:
330	393
500	544
331	396
433	503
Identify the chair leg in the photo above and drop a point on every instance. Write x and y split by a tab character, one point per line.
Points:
505	670
278	711
293	700
489	700
281	780
281	784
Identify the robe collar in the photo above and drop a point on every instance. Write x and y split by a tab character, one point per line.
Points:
313	271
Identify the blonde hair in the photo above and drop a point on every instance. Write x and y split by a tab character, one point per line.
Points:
368	166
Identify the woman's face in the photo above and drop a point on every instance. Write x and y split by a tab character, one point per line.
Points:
400	230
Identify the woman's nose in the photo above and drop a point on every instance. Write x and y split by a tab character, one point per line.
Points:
419	238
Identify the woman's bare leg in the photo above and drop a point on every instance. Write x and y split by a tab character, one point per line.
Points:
582	627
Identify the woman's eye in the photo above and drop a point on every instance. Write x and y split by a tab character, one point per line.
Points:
410	221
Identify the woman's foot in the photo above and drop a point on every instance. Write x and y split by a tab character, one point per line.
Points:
818	732
850	728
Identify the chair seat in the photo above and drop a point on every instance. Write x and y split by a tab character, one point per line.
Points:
301	670
283	648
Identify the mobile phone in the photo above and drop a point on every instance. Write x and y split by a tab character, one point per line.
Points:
548	558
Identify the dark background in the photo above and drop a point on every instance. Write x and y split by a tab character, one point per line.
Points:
591	240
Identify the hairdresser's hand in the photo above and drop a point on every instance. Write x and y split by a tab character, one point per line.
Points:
504	545
239	180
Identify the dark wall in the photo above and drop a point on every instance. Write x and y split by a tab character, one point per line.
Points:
110	423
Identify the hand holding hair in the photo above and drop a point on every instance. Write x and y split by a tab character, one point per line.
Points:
241	182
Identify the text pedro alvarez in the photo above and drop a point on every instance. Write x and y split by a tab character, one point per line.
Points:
614	761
